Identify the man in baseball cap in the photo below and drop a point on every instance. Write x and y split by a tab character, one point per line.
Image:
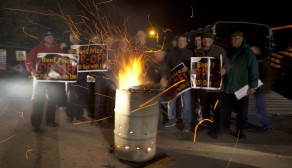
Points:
47	33
41	89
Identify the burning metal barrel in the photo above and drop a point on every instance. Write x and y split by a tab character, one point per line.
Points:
135	126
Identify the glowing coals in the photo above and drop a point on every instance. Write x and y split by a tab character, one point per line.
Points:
138	148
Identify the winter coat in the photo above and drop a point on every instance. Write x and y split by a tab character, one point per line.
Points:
215	51
243	71
30	61
175	57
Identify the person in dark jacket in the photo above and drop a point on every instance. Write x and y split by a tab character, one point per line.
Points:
158	74
243	71
41	89
76	91
175	57
266	78
212	98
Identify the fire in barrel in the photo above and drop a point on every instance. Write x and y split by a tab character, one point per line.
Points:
135	125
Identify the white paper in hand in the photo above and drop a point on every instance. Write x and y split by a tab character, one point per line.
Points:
243	91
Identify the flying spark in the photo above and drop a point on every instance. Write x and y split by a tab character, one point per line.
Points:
92	120
162	93
144	107
29	34
281	27
20	113
216	104
29	150
233	150
192	13
8	138
195	134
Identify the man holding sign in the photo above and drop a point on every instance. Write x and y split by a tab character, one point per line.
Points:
175	57
41	89
211	99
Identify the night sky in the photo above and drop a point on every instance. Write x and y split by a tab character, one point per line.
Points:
176	14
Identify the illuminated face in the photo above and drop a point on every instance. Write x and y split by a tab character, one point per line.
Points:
49	39
141	36
236	41
74	39
96	40
182	42
207	42
173	43
109	41
159	56
198	41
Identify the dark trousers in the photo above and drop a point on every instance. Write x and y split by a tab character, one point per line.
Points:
100	97
62	97
41	89
107	90
162	116
208	101
76	96
230	103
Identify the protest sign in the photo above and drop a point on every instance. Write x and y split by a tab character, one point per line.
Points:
3	59
205	73
55	67
92	57
177	75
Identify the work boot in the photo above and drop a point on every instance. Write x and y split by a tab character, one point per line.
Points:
52	124
167	125
82	119
187	129
69	120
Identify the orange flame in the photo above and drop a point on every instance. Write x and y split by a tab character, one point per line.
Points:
131	74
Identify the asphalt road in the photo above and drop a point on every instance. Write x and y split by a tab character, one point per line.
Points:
88	146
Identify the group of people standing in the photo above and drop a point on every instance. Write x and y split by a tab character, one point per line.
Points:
72	99
239	68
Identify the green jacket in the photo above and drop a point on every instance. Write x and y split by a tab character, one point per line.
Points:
243	71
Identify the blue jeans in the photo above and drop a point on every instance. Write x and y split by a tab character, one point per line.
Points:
184	104
261	111
162	107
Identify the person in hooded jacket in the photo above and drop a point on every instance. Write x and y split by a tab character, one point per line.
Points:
43	90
